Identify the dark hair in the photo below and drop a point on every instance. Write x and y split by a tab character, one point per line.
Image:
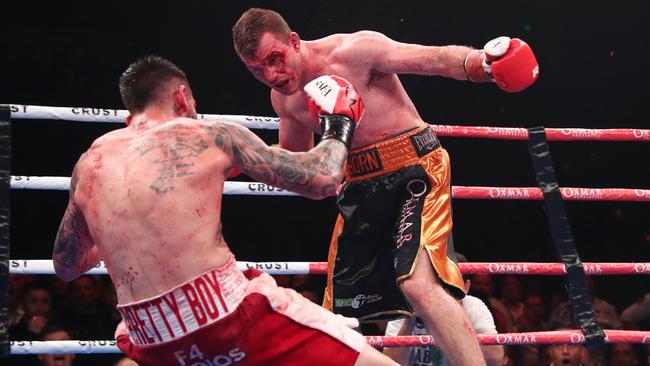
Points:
143	81
53	328
37	285
252	24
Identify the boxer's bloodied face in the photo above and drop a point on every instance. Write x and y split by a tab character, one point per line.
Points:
277	63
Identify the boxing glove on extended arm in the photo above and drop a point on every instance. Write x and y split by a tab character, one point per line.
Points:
509	62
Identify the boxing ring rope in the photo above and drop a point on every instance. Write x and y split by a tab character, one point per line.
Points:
458	192
81	114
100	115
45	266
531	338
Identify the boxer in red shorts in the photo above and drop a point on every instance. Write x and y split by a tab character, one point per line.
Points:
389	250
146	199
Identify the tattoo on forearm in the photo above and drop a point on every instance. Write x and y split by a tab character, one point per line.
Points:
67	248
280	167
178	147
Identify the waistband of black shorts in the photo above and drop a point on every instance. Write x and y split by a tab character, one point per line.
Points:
391	154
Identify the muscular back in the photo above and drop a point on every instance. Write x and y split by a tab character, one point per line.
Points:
152	203
147	199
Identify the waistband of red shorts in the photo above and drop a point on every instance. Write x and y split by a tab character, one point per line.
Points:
186	308
391	154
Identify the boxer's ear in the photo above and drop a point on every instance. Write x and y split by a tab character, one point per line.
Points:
180	100
294	41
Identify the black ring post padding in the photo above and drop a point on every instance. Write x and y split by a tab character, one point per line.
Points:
5	164
565	248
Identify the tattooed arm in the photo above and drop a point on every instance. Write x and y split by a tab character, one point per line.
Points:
74	249
315	174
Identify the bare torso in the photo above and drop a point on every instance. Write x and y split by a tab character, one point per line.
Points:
152	203
388	108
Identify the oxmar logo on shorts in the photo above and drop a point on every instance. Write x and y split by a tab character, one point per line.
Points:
357	302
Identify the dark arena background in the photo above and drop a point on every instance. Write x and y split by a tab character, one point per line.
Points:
593	57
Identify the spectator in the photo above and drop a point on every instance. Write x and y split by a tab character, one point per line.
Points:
90	315
36	303
623	354
566	354
606	316
637	315
16	285
483	288
511	299
55	333
531	321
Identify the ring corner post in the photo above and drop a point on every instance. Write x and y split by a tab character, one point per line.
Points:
5	164
565	247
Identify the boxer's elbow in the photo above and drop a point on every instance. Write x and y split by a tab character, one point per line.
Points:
65	272
324	186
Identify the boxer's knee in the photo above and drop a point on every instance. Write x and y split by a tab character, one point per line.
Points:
423	283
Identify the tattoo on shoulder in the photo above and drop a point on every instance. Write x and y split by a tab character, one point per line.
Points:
178	148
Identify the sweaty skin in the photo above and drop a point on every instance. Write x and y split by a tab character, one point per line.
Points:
147	199
369	60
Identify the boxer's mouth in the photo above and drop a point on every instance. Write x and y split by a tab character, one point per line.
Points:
281	84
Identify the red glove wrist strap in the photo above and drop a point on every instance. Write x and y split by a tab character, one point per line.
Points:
473	67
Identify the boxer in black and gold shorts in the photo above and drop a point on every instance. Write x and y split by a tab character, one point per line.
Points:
396	200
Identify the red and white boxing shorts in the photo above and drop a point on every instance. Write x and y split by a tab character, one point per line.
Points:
226	317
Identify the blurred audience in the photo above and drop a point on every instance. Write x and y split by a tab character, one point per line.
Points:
90	314
532	320
482	287
624	354
511	298
56	332
16	285
637	315
36	305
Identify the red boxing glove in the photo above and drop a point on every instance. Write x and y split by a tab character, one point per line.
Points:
511	63
333	95
337	104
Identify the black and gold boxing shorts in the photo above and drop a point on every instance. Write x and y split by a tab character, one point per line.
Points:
396	201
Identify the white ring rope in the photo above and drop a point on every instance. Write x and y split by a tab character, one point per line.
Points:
458	192
81	114
63	347
45	266
230	188
531	338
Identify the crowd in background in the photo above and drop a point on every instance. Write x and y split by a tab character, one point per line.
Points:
47	308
